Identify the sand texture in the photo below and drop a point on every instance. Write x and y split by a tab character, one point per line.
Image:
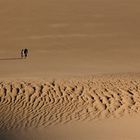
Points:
26	104
54	93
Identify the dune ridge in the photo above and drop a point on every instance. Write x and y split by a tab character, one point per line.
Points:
26	104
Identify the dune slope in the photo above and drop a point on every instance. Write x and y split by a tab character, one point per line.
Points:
26	104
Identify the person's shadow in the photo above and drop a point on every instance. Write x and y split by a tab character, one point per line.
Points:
10	58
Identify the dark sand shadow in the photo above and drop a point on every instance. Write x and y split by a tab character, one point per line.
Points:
3	59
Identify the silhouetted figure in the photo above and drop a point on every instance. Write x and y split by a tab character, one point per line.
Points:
22	53
25	53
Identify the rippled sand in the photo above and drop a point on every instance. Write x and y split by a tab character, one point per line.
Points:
43	104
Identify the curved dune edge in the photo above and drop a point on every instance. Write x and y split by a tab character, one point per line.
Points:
29	104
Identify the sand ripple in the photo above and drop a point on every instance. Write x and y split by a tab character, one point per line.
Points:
25	104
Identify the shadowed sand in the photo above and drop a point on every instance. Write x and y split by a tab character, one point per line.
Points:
2	59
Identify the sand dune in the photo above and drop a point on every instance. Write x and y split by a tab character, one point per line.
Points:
26	104
69	37
70	40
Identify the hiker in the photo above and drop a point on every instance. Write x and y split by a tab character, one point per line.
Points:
22	53
25	53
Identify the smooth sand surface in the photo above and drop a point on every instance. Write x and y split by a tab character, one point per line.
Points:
81	80
120	129
69	37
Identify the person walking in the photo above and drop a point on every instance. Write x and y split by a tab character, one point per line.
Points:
25	53
22	53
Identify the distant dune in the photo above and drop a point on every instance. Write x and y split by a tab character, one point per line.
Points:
69	37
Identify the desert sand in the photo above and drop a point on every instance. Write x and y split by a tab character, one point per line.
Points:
99	107
81	80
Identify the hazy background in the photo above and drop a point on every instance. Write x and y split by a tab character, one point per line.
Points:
69	36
